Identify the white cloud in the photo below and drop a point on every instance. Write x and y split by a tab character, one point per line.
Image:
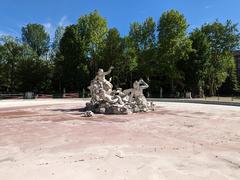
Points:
50	28
208	7
193	26
2	33
14	32
48	25
10	32
63	21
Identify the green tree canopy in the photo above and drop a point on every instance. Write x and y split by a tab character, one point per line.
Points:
112	50
11	52
144	41
173	44
224	38
33	74
73	59
36	37
195	67
92	29
57	38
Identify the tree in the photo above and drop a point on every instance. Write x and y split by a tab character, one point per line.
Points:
112	50
10	54
120	53
135	35
36	37
33	74
73	60
128	65
23	69
224	38
3	79
80	49
92	29
58	36
231	85
173	45
144	40
112	54
143	36
58	68
195	67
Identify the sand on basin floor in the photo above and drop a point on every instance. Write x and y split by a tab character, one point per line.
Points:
50	140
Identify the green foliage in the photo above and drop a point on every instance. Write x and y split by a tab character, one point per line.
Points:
164	55
113	49
92	30
73	59
195	67
224	38
23	70
57	38
80	49
143	39
10	53
36	37
33	75
3	77
112	54
173	45
231	85
119	53
127	65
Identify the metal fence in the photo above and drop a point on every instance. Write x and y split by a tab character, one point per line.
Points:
12	96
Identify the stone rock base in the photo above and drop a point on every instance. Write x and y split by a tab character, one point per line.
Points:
106	108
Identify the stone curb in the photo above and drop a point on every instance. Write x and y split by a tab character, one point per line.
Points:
225	103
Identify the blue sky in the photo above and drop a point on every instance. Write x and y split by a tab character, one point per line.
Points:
120	13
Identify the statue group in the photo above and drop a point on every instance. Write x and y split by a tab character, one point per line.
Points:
105	100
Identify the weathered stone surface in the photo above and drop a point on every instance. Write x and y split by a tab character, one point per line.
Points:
104	100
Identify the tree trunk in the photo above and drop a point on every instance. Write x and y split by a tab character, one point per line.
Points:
12	77
148	81
172	87
211	89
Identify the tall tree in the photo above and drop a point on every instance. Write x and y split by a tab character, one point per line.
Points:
224	38
11	53
71	61
57	38
3	78
33	74
143	36
195	67
80	49
173	45
112	50
129	63
118	52
135	35
144	40
92	29
231	85
36	37
23	69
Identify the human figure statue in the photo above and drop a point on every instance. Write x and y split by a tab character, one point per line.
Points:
101	78
116	99
94	90
136	94
106	100
137	90
120	93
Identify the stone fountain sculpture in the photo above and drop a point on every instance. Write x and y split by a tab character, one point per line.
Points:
105	100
